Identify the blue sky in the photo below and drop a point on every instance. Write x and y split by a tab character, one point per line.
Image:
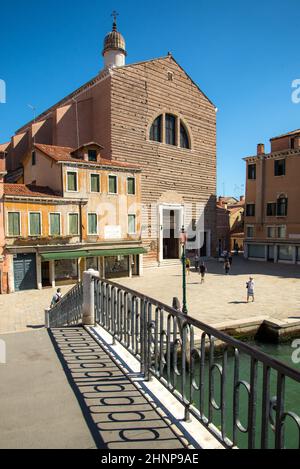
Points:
243	54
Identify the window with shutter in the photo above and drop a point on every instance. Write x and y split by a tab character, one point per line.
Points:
92	224
54	224
34	224
95	183
13	224
131	186
73	223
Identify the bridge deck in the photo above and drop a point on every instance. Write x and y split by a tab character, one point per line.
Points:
118	414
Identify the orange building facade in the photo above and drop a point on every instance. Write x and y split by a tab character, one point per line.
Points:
75	211
272	212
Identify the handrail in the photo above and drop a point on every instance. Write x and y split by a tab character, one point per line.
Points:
69	310
165	342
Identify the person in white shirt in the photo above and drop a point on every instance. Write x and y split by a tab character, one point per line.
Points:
250	289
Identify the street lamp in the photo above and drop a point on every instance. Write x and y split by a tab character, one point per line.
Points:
183	240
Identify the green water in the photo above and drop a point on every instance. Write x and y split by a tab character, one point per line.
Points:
292	395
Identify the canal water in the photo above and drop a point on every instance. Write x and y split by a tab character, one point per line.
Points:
281	352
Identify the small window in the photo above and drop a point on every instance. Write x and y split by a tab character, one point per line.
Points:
131	224
73	223
54	224
92	155
95	183
282	203
33	158
71	181
131	186
155	131
170	129
281	231
271	232
271	209
14	224
279	167
252	171
112	185
184	139
35	224
250	210
92	224
250	231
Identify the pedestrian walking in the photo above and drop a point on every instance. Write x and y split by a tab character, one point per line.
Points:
56	298
250	289
203	271
227	267
230	259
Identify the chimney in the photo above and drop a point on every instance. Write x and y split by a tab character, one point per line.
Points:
242	198
261	149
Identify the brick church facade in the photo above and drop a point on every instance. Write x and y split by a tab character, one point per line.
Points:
150	114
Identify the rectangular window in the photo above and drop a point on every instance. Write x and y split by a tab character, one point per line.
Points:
271	209
54	224
14	224
35	224
112	184
271	232
131	186
131	224
92	155
250	231
73	223
72	181
33	158
250	210
170	129
279	167
252	171
281	231
282	204
95	183
92	224
285	253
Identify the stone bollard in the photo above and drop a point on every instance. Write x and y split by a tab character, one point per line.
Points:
89	297
47	318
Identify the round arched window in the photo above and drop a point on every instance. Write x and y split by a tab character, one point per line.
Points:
175	131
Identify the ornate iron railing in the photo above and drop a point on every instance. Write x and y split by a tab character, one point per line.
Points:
188	356
69	310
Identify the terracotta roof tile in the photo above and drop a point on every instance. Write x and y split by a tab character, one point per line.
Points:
28	191
4	146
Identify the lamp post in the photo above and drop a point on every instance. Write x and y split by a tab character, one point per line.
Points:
183	239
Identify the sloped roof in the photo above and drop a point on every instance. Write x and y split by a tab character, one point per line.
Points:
293	132
4	147
61	154
30	190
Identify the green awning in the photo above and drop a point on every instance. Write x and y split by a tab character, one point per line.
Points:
50	256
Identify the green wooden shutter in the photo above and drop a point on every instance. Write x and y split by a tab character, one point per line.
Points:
112	184
55	224
73	224
92	223
131	186
13	224
131	224
95	183
72	182
35	224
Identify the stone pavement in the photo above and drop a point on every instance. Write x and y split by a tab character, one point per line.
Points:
37	406
223	298
64	391
24	311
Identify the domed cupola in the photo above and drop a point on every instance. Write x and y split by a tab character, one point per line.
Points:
114	50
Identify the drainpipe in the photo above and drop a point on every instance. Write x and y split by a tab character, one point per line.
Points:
80	221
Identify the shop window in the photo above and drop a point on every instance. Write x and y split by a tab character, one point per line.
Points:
66	269
54	224
116	266
73	223
35	224
256	251
14	228
285	253
92	263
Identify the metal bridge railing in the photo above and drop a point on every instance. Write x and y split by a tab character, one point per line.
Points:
218	379
69	311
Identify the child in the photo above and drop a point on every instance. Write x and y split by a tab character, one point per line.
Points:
250	289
